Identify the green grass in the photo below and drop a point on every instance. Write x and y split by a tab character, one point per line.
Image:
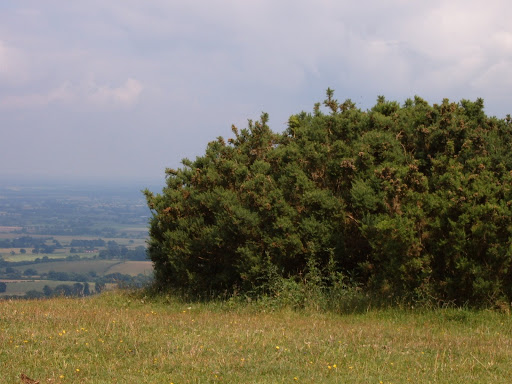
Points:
121	338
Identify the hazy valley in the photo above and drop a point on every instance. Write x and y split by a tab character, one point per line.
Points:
71	240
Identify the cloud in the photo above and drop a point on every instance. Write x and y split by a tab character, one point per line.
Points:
61	94
126	94
214	46
90	93
190	69
12	65
498	76
458	40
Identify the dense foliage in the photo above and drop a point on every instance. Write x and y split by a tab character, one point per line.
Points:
409	200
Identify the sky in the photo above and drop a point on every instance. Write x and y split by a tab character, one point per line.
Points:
119	90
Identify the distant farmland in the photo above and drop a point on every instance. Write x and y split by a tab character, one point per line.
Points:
132	268
20	287
100	267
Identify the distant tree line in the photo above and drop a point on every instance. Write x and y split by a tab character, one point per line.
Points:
82	286
90	276
44	259
115	251
76	290
29	242
87	244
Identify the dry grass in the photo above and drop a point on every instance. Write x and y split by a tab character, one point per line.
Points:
121	338
132	268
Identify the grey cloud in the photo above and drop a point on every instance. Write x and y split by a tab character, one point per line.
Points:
162	78
12	66
89	92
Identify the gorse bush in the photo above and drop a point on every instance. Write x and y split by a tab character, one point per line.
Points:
410	201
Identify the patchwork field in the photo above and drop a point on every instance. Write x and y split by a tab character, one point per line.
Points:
100	267
79	266
64	234
82	267
58	254
16	255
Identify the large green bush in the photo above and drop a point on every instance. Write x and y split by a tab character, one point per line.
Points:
410	201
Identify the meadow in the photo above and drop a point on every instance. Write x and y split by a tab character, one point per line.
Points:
122	337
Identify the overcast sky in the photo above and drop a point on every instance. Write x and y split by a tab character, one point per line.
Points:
122	89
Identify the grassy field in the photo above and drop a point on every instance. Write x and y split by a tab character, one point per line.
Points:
121	338
132	268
